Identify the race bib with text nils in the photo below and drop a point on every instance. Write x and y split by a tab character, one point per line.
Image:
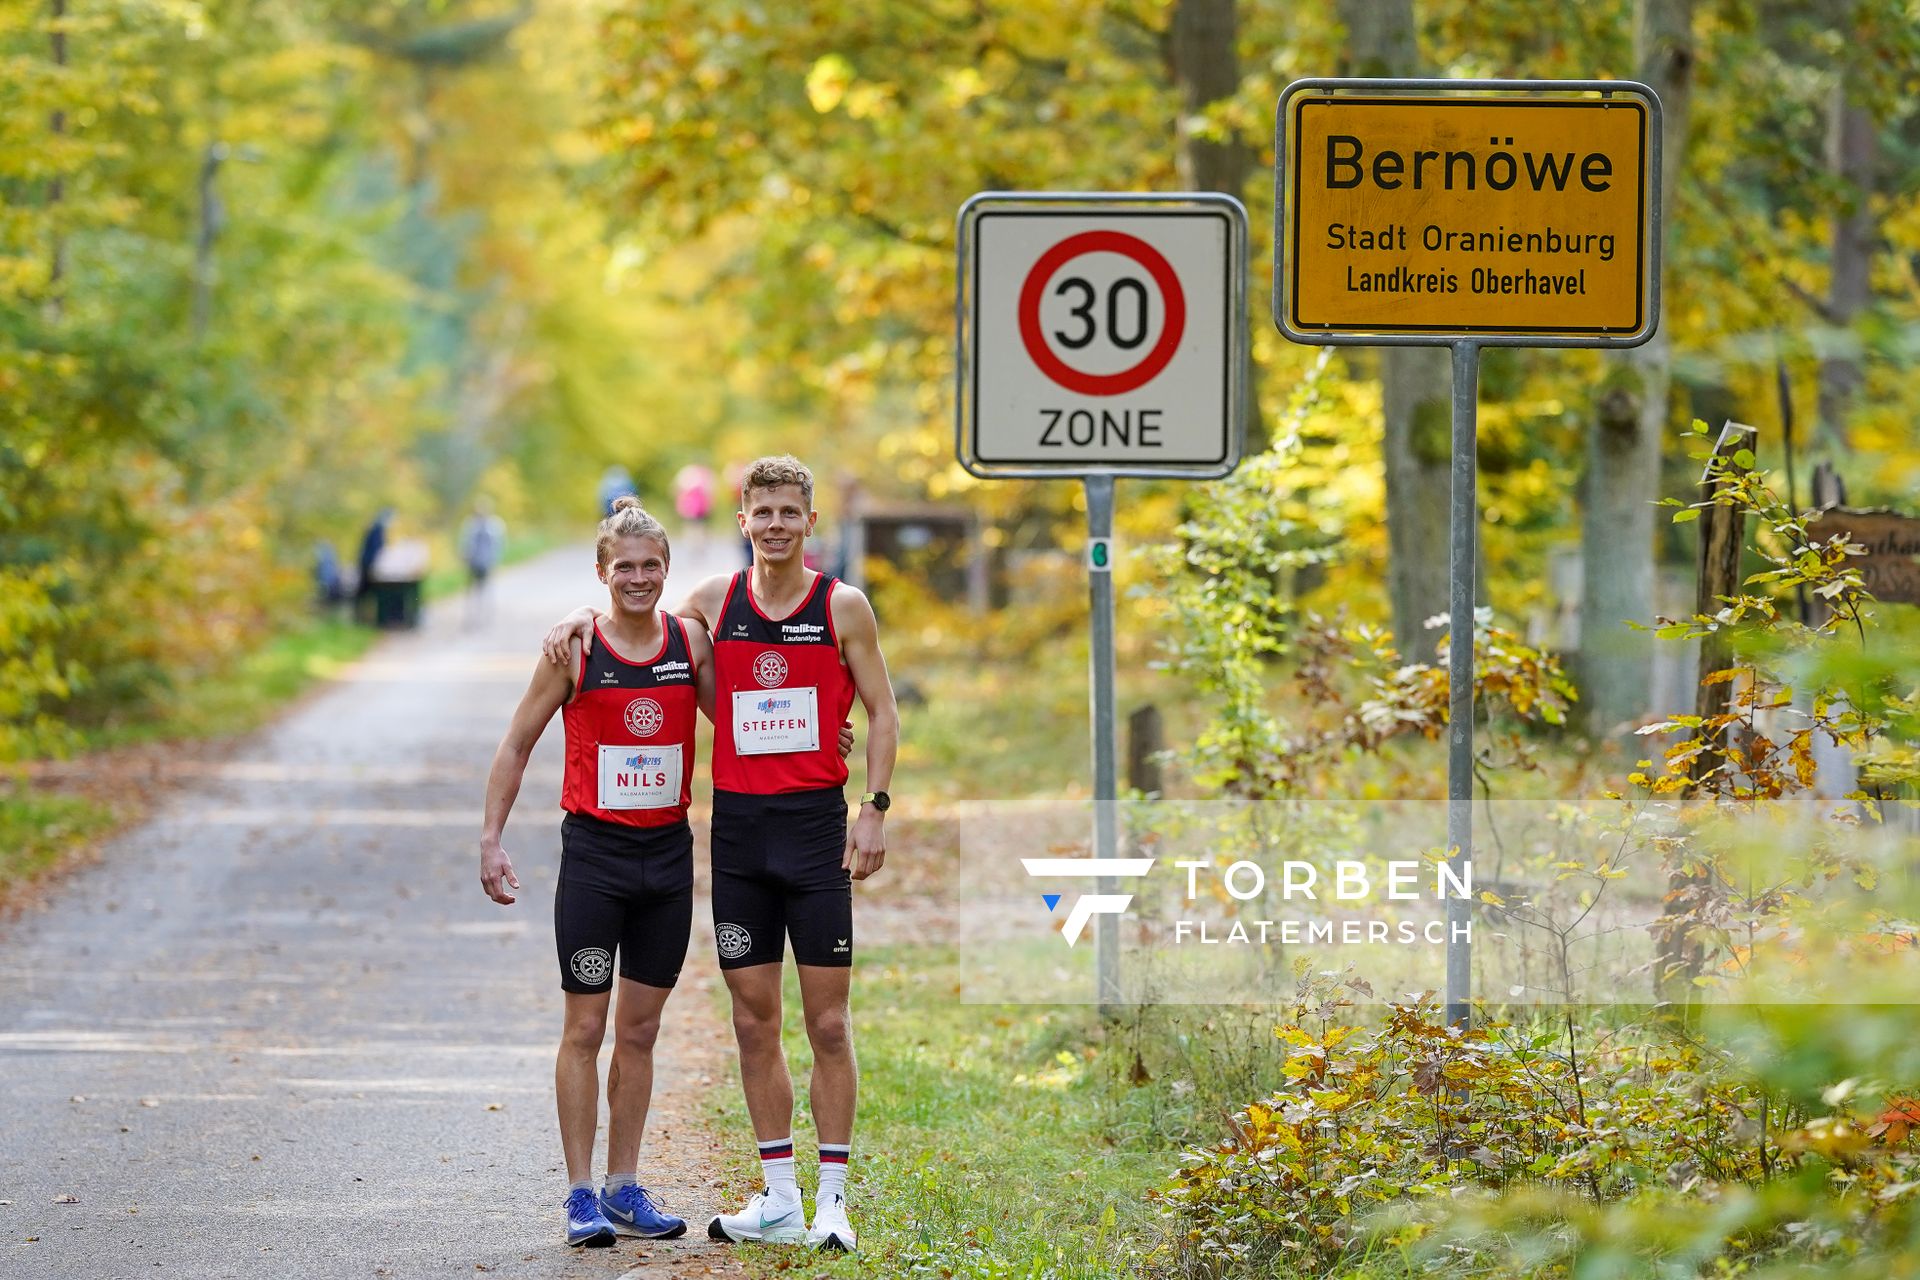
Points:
639	777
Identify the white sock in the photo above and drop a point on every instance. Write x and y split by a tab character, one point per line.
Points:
833	1170
776	1164
615	1181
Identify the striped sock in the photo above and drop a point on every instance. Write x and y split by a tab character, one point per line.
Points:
833	1169
776	1163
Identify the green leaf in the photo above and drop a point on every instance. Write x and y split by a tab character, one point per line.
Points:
1691	513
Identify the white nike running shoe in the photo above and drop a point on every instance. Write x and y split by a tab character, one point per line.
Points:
831	1232
763	1221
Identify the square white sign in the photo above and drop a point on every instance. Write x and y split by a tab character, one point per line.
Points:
1100	340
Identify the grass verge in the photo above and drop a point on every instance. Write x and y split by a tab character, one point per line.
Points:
244	697
993	1141
47	822
38	829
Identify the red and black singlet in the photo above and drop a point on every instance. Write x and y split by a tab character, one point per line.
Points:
630	733
783	692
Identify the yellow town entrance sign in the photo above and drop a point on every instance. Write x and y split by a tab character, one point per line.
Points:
1422	214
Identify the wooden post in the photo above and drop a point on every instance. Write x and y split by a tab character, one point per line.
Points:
1723	534
1143	750
1829	490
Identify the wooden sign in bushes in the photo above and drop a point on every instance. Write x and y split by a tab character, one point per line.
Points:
1891	567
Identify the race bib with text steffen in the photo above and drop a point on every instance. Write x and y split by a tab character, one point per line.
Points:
769	721
639	777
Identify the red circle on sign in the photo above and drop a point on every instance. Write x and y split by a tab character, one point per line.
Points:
1102	384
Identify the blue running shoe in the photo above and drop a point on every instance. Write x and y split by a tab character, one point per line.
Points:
633	1213
586	1225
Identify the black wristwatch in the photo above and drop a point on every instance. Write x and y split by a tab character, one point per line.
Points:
880	800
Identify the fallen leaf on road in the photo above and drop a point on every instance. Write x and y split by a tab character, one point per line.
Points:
496	1106
78	1097
66	1197
149	1102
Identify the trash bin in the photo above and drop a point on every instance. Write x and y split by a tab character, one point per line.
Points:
396	605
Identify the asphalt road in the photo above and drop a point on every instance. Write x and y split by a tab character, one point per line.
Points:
277	1030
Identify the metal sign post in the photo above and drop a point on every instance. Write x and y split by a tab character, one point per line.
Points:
1466	214
1101	336
1463	528
1106	785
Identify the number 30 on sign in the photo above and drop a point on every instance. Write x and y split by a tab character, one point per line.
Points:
1101	334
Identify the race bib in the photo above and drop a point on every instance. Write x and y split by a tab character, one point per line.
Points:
769	721
639	777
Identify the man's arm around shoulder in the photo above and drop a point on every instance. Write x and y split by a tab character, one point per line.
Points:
704	602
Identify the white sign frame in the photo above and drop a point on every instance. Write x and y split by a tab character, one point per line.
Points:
1081	205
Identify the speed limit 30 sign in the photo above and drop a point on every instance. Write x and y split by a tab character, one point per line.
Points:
1101	335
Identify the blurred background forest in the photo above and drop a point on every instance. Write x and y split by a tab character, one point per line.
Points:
269	267
272	265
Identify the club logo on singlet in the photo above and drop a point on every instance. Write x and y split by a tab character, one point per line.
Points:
732	941
770	669
644	717
592	966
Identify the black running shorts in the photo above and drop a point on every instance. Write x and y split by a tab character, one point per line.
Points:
777	874
626	891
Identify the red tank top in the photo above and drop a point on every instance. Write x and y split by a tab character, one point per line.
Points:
782	693
630	733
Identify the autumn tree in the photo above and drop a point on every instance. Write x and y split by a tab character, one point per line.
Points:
1630	423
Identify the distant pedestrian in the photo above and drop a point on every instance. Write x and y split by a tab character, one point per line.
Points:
482	541
372	543
693	493
616	482
329	583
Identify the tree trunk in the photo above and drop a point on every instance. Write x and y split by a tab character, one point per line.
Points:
1415	384
57	189
1204	61
1206	69
1623	449
1853	155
